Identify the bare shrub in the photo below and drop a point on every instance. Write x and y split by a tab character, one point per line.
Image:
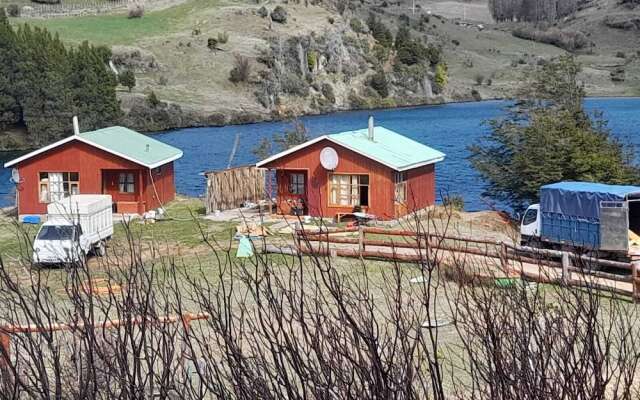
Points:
223	37
241	71
274	326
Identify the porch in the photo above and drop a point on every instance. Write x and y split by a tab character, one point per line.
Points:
127	189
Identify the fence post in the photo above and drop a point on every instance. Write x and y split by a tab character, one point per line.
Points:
504	258
635	274
566	264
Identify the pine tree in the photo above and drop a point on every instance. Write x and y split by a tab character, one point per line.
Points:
548	137
43	85
10	111
127	78
93	84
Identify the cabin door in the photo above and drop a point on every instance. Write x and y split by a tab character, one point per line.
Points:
292	191
122	185
400	194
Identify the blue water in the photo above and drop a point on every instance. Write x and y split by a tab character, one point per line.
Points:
450	128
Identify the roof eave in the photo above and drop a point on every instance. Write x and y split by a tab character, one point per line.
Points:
422	164
166	161
274	157
93	144
40	151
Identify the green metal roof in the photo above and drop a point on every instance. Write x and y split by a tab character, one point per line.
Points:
134	146
388	147
122	142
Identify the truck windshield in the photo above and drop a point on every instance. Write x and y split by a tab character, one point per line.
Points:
530	217
56	232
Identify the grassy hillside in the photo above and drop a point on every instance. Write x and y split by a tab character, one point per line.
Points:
168	50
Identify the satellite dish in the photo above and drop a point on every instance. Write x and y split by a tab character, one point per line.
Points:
15	175
329	158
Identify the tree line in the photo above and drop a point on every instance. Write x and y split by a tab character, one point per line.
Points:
532	10
43	84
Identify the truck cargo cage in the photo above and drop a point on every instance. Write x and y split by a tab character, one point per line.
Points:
614	226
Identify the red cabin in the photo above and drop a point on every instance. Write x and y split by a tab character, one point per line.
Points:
135	169
375	171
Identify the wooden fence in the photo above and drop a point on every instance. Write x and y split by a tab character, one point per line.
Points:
574	267
230	188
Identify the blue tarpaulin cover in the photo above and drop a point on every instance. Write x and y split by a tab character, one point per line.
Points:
581	199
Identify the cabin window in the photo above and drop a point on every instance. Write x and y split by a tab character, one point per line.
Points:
54	186
401	187
349	190
127	183
296	183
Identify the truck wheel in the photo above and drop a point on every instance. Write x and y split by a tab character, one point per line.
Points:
100	249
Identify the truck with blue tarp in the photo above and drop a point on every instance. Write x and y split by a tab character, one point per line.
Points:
584	215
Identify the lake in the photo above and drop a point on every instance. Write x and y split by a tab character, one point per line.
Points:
450	128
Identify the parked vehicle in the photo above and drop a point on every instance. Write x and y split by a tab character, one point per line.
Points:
584	215
75	226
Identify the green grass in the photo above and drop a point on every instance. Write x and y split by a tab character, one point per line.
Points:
118	29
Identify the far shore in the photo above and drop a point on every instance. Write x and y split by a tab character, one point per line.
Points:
269	118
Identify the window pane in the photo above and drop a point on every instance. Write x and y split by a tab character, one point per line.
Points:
73	176
44	175
44	192
130	178
364	179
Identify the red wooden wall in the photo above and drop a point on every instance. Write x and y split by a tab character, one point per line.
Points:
421	187
381	181
90	162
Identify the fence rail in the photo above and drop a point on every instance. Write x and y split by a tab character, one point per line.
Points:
572	265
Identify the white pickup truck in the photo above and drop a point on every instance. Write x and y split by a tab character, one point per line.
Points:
75	226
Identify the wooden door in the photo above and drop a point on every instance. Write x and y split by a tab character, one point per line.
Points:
122	185
292	190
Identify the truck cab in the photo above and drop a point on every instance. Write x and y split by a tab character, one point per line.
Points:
530	225
60	242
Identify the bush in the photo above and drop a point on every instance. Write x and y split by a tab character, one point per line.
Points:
223	37
241	70
476	95
331	20
378	82
127	79
153	100
454	202
136	10
357	26
13	10
263	12
293	84
621	54
479	78
163	81
381	53
328	93
441	78
380	32
312	59
618	75
279	15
